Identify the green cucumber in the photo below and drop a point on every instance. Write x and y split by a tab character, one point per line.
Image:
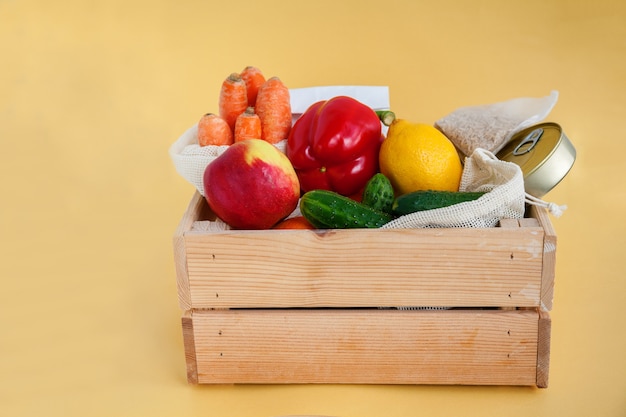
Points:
378	193
428	200
330	210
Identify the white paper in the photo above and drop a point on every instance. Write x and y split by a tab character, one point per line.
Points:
376	97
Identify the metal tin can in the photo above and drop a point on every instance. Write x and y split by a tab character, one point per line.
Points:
545	155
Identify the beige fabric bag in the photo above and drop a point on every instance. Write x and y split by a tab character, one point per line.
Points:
491	126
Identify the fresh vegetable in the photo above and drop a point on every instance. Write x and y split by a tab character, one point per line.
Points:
262	106
378	193
251	185
233	99
334	145
431	199
213	130
247	126
326	209
273	106
254	79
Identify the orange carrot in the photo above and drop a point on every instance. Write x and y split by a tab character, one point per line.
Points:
233	99
274	109
213	130
248	126
254	79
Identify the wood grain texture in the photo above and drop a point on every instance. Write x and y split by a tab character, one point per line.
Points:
197	210
189	343
543	348
180	251
507	266
475	347
365	268
548	272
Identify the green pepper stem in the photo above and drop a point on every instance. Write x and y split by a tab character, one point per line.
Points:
386	116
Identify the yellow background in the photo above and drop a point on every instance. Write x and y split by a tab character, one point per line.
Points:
92	94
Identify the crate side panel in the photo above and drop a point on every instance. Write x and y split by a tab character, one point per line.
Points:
549	256
543	349
191	215
470	347
190	347
345	268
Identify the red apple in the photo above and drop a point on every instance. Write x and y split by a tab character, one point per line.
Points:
252	185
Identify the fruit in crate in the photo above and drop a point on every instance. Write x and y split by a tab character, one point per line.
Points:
252	185
417	156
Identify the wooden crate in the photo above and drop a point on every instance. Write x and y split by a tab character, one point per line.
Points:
367	306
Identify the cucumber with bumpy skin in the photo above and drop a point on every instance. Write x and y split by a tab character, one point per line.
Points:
330	210
430	199
378	193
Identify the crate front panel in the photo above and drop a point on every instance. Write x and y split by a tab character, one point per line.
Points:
476	347
364	268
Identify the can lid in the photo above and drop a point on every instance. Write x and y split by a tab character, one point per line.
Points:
544	154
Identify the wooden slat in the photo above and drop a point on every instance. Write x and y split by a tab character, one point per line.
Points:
191	215
477	347
549	256
365	268
190	347
509	223
543	348
529	222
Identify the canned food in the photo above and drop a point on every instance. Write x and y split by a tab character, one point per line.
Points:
545	155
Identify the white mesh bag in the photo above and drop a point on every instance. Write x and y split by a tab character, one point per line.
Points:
505	197
190	159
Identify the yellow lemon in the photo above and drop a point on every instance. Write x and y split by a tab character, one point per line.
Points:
417	156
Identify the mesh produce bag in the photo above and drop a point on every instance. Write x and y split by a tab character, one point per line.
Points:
491	126
190	159
505	198
503	183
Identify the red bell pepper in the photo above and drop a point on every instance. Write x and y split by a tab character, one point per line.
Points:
334	145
